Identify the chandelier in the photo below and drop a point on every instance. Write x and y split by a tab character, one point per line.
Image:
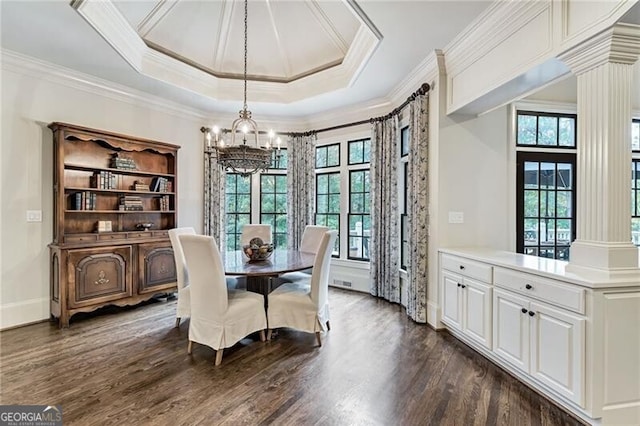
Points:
243	154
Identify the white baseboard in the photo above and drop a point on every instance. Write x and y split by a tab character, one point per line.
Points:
434	315
22	313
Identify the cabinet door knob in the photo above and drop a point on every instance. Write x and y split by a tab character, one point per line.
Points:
461	267
463	286
524	311
531	313
459	285
528	286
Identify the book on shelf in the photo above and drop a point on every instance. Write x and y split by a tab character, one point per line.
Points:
125	163
104	180
160	184
84	200
130	203
140	186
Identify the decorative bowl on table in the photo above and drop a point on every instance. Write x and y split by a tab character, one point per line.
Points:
257	250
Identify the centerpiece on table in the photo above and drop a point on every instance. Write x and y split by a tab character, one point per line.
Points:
257	250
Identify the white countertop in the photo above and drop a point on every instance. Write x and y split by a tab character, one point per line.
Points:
549	268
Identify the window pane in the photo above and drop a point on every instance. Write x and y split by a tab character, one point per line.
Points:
355	152
334	183
563	204
244	185
334	203
635	230
547	175
563	233
565	176
231	202
357	181
547	203
244	202
333	155
322	203
323	184
635	135
547	130
281	203
526	130
531	175
321	157
547	231
531	207
357	203
404	141
567	136
267	183
366	157
281	184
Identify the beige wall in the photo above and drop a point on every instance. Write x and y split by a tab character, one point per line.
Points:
29	103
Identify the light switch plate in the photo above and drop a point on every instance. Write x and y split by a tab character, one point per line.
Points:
34	215
456	217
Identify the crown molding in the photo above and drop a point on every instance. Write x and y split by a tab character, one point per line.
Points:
617	44
109	22
22	64
497	23
427	71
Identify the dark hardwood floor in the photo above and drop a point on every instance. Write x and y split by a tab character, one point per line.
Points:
376	367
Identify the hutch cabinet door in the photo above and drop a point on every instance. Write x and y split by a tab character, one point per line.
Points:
477	311
156	267
511	328
98	275
451	299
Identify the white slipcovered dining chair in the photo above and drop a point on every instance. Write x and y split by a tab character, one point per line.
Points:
311	239
183	309
305	308
253	230
219	317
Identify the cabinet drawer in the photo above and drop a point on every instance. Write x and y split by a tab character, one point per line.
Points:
553	292
161	234
79	238
109	237
466	267
142	234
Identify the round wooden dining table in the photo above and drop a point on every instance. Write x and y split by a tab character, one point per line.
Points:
260	274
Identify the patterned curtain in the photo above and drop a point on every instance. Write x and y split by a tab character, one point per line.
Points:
214	202
301	168
418	206
385	229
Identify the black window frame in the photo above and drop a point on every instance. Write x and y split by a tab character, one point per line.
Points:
326	149
539	114
404	132
276	161
357	141
546	157
338	214
235	213
274	229
404	238
364	240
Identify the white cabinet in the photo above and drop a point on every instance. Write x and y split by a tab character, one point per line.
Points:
545	342
466	301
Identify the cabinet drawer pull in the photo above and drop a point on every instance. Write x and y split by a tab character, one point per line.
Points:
459	285
464	286
528	286
461	267
524	311
531	313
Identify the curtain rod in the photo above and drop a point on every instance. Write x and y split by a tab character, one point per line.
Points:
421	91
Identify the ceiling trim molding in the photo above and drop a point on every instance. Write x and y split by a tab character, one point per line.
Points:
492	27
325	23
425	72
223	32
281	51
27	65
105	18
154	17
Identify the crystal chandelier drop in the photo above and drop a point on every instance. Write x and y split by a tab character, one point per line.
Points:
243	154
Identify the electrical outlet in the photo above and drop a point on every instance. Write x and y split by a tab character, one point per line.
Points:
456	217
34	215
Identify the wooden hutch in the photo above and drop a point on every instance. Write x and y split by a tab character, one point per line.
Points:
114	201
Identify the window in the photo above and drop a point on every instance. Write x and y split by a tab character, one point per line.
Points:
279	159
404	141
273	206
635	202
359	151
359	219
328	156
238	207
546	129
545	180
635	135
404	236
328	203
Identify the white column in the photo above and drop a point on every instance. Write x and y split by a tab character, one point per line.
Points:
604	69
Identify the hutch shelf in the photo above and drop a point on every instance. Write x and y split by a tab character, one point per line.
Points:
114	201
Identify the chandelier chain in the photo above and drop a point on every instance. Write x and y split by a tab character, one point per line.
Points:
245	53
